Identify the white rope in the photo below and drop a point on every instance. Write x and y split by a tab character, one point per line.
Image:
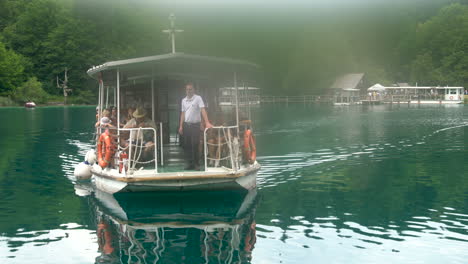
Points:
145	162
216	144
223	158
140	148
230	147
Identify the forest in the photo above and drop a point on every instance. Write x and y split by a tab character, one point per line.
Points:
302	47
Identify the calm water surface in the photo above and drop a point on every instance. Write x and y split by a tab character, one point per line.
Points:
380	184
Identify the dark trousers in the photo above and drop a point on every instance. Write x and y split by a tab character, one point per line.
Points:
191	142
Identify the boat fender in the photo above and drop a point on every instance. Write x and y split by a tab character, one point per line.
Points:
451	97
82	171
90	157
123	162
249	146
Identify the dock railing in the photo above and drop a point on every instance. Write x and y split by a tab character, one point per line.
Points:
221	147
305	99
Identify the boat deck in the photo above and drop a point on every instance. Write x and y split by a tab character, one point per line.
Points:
173	160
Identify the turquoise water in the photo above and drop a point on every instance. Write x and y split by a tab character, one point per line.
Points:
381	184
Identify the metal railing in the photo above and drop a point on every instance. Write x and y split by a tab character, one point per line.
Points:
224	147
298	99
347	99
135	147
117	149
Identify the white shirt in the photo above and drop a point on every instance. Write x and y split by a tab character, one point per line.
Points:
192	108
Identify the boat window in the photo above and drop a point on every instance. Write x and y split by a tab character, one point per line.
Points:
453	91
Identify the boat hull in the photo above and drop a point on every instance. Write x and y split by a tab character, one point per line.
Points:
30	105
246	178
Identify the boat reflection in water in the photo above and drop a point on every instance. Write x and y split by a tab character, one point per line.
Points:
192	227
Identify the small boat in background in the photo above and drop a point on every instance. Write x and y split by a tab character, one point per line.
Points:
29	104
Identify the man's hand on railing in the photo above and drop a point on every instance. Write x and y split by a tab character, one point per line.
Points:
208	125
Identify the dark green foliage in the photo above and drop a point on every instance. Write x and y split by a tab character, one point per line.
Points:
11	70
6	101
442	48
31	90
301	52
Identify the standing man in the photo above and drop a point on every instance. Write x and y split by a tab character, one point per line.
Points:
193	109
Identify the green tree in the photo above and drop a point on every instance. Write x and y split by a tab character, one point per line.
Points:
31	90
31	30
441	42
9	11
11	70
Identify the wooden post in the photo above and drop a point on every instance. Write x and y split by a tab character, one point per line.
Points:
64	86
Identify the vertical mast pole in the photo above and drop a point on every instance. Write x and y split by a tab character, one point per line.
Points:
172	31
152	98
107	97
118	107
172	18
237	102
101	104
102	99
99	99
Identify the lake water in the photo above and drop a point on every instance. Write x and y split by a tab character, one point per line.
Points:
380	184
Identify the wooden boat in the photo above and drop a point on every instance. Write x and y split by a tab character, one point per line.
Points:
157	84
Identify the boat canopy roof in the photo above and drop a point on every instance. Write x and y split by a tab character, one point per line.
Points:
177	65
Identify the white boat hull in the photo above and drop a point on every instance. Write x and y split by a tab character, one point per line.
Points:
436	102
428	102
111	181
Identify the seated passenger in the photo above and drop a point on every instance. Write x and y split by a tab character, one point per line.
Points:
106	115
145	137
113	115
126	115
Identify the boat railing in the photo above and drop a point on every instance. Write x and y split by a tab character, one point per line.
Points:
136	145
222	147
413	97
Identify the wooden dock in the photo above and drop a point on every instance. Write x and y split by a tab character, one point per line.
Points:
371	102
